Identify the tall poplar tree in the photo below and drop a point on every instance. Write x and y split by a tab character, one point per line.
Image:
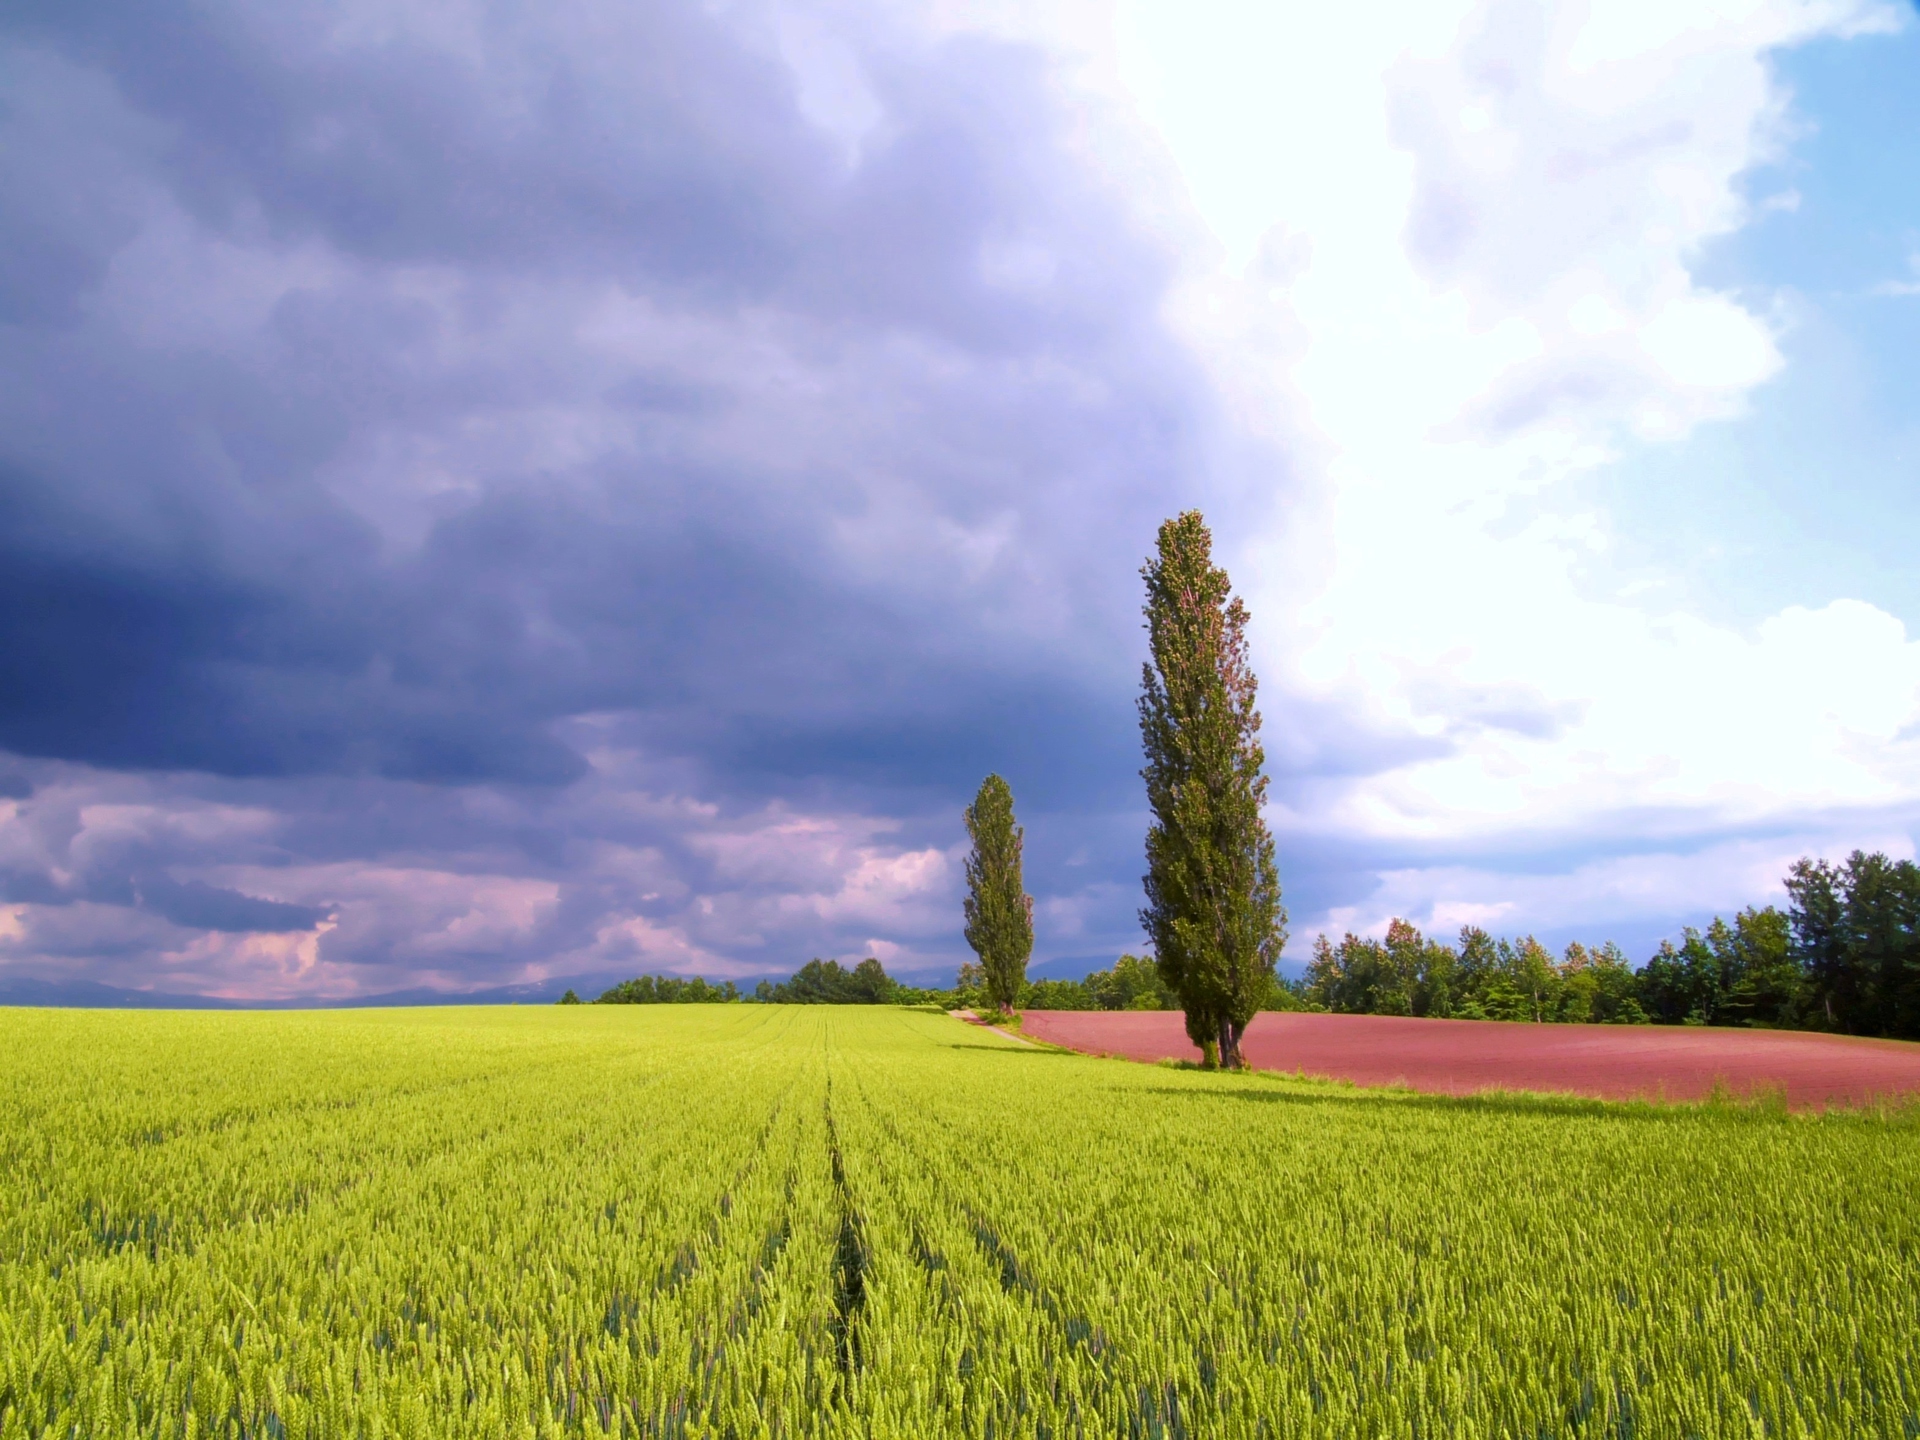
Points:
999	911
1213	893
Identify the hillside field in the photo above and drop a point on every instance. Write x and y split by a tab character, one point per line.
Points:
797	1221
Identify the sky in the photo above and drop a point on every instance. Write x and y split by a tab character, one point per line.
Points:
502	494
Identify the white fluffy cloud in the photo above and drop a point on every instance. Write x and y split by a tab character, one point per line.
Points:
1498	301
1449	274
1637	891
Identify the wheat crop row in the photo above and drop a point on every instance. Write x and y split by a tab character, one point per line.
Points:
794	1221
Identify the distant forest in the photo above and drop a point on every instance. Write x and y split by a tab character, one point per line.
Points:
1844	957
1132	984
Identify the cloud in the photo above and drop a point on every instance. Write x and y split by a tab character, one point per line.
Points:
491	495
1490	298
1897	288
402	389
474	380
371	885
1633	898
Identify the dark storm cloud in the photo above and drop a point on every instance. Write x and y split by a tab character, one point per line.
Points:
208	907
658	146
185	587
432	440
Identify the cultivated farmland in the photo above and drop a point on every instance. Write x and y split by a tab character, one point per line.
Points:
797	1221
1463	1057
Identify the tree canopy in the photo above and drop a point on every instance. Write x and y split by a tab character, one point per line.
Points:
825	982
1213	907
670	990
998	909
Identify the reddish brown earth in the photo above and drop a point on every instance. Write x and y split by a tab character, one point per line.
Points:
1460	1057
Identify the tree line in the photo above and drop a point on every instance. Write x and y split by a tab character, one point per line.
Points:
664	990
1132	984
818	982
1844	956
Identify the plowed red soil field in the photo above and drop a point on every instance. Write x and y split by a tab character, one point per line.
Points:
1461	1057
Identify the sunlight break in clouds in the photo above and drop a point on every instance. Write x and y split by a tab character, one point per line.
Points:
1453	250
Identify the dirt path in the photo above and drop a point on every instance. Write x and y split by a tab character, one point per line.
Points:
973	1018
1460	1057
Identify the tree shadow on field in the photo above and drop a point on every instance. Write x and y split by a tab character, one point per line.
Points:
1004	1049
1504	1103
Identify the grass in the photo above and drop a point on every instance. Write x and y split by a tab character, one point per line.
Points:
791	1221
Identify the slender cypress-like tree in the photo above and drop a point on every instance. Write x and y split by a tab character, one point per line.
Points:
999	910
1213	893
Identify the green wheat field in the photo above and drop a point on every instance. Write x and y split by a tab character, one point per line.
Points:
795	1221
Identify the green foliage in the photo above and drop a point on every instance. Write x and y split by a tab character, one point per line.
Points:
998	909
1134	983
1682	986
1856	944
824	982
1479	979
570	998
1403	975
1600	987
669	990
1764	984
970	992
1213	892
1283	994
1846	957
1057	995
805	1223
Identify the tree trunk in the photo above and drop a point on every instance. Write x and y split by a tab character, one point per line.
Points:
1230	1034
